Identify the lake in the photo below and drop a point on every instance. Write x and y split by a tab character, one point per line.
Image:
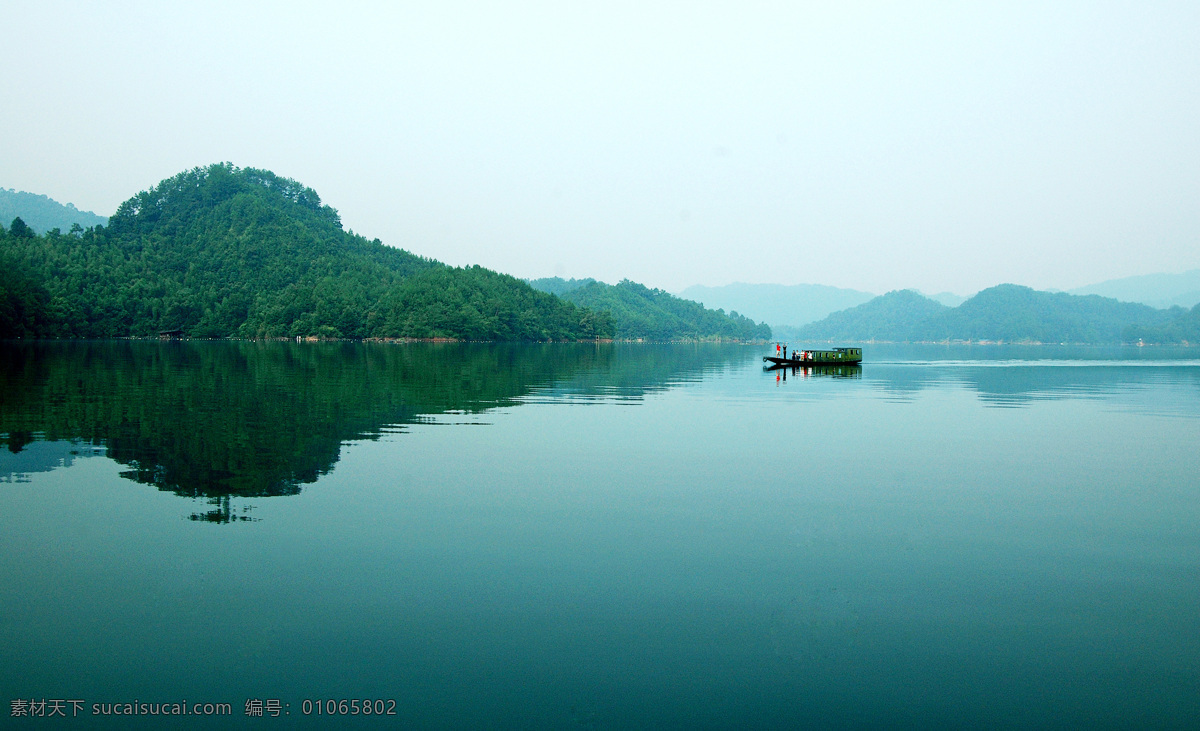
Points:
600	535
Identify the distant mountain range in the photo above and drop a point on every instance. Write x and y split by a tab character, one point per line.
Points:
786	307
43	214
1156	290
791	309
778	304
652	314
558	286
948	299
1006	313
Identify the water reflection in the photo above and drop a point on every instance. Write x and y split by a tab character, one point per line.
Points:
815	371
1017	384
213	420
25	455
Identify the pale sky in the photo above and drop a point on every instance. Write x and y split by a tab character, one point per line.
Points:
877	145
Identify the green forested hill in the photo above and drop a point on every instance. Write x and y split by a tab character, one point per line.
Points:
42	213
1006	312
1013	313
895	316
652	314
222	251
1184	328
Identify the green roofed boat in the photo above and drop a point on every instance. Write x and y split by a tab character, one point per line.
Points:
801	358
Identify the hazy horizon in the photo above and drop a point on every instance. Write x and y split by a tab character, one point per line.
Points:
866	146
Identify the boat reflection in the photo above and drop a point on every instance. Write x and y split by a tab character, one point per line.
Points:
829	371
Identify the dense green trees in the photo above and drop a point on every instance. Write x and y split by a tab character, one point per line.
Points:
222	251
478	304
1184	328
24	302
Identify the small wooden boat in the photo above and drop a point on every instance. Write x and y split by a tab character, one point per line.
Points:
801	358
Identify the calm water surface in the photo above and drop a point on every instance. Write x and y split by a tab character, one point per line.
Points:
604	536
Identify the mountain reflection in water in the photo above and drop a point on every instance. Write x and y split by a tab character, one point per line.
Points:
1016	384
222	420
251	419
547	536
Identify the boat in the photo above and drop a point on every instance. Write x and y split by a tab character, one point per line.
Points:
804	358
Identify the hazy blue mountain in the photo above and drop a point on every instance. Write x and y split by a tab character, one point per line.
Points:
557	285
42	214
948	299
780	305
1006	312
1157	290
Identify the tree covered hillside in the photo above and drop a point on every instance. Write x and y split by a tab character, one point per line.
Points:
895	316
222	251
652	314
1014	313
1184	328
